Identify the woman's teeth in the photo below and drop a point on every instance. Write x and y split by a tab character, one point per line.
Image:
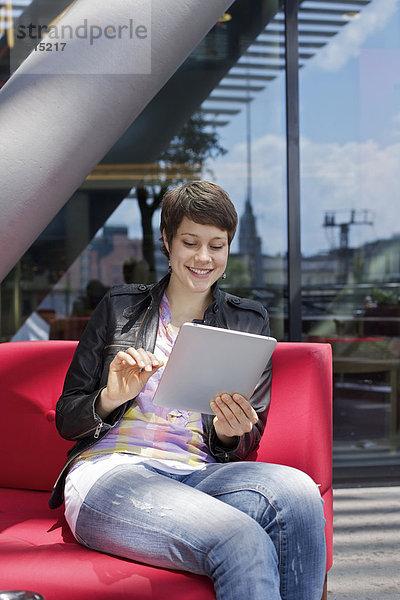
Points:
199	271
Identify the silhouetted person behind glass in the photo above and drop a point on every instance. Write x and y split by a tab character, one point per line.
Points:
135	270
84	305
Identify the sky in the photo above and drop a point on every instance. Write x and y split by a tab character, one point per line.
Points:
349	140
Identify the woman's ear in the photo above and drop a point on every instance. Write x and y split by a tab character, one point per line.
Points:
164	237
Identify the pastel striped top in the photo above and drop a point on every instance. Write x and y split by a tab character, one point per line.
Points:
156	432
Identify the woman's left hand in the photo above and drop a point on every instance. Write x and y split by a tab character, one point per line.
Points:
234	416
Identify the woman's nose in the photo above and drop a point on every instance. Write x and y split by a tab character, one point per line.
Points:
202	254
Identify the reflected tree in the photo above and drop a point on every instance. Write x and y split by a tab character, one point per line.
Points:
184	159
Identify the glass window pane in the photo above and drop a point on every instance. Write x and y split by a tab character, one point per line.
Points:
220	117
349	103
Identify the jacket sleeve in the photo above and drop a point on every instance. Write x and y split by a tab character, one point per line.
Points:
75	412
260	400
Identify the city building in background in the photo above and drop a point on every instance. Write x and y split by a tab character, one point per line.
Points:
312	79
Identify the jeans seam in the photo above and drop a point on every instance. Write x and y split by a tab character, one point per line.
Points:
147	528
281	527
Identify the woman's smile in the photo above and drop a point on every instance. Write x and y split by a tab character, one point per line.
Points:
199	272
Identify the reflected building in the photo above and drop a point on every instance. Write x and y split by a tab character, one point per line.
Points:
103	259
250	246
112	257
379	261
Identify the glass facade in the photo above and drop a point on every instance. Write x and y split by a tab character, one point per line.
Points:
226	115
349	115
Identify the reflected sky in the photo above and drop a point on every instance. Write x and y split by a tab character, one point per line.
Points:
350	137
350	146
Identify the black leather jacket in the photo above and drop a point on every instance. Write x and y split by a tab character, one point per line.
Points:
128	316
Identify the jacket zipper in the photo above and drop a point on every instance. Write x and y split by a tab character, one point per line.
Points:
225	455
98	429
142	323
74	457
117	346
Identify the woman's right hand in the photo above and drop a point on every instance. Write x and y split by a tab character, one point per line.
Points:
129	371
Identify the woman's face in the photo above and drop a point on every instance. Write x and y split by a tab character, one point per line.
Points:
198	255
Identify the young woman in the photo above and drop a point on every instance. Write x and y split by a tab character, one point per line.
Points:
164	486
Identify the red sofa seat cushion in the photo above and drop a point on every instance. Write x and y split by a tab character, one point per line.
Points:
38	552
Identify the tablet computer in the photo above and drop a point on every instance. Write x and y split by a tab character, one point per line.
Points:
208	361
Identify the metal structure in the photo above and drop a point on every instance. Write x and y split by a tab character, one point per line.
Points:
356	217
44	104
265	58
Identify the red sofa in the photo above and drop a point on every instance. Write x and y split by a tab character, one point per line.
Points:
37	551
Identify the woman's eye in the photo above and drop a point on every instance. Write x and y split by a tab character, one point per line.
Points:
192	244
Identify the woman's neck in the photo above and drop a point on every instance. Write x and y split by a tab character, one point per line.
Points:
186	306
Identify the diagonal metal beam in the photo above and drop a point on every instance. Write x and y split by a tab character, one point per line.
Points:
213	98
337	12
57	126
352	2
251	77
240	88
272	67
220	111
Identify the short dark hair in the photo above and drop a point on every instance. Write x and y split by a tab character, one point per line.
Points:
200	201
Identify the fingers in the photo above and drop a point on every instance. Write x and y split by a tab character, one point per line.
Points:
236	406
235	414
143	359
244	404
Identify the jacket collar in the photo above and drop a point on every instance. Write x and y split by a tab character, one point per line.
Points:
157	289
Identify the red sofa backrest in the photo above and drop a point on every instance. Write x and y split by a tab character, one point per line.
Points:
299	430
31	379
299	426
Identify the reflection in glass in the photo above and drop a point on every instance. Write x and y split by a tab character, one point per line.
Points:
222	117
214	119
349	107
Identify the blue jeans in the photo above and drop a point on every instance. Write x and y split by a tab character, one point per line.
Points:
256	529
